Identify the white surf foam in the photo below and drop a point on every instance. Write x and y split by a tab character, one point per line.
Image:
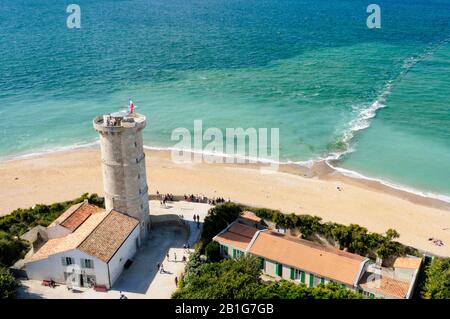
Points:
365	114
47	151
404	188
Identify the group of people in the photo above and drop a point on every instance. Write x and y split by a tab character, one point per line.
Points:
437	242
203	199
190	198
111	121
215	201
197	220
183	259
195	198
165	198
160	266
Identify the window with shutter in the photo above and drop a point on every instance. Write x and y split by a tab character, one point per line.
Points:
261	263
292	273
311	280
87	263
67	261
279	269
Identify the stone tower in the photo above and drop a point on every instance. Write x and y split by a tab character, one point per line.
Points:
123	165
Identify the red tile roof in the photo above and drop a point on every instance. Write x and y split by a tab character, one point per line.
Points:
327	262
408	262
109	235
79	216
238	235
384	285
101	235
251	217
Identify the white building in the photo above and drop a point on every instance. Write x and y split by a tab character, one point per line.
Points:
86	245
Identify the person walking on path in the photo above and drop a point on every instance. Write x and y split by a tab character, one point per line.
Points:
167	256
176	281
158	266
161	270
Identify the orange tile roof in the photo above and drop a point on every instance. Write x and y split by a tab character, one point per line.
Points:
384	285
109	235
237	235
71	241
66	214
323	261
408	262
251	216
79	216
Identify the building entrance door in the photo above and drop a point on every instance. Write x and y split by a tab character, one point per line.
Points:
81	281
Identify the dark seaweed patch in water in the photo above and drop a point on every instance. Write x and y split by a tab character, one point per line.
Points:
338	146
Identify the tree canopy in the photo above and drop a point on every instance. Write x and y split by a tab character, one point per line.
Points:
217	219
241	279
437	282
8	284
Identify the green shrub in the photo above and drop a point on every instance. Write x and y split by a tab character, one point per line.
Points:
437	279
8	284
212	251
241	279
218	218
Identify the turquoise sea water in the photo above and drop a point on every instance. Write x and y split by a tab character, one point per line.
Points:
375	98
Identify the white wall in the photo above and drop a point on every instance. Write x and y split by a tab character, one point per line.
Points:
52	267
125	252
270	268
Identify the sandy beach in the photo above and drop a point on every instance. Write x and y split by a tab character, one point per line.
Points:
65	175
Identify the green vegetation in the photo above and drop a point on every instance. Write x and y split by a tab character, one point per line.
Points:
353	238
8	284
212	251
11	249
21	220
241	279
437	279
208	277
217	219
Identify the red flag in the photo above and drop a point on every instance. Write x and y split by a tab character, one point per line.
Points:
131	106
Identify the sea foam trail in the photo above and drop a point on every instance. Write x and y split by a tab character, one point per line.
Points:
366	114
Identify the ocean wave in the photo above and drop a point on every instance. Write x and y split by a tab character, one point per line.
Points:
356	175
365	114
250	159
309	164
258	160
50	150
